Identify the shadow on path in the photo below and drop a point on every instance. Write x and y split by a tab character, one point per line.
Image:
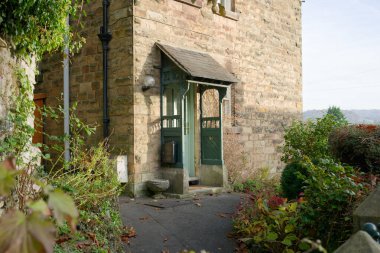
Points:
175	225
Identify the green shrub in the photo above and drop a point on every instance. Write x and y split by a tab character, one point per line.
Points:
93	184
330	194
91	179
269	224
309	139
291	184
358	146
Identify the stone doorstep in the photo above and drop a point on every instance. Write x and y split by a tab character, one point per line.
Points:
195	192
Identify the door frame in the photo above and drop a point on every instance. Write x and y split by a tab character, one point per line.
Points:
188	130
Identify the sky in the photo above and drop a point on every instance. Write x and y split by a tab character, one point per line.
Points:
341	54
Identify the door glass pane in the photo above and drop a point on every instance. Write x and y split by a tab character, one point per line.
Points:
171	108
171	105
210	103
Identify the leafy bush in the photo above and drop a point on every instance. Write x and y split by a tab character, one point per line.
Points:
291	184
330	195
309	139
267	223
91	179
94	187
324	213
357	146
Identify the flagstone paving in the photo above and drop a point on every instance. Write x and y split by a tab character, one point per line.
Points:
172	225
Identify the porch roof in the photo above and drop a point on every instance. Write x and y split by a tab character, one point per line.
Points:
198	65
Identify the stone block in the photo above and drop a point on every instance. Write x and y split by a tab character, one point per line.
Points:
158	185
359	242
213	175
178	178
368	210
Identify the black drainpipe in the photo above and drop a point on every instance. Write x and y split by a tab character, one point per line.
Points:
105	37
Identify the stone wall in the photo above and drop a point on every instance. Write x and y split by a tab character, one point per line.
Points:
8	84
262	48
9	64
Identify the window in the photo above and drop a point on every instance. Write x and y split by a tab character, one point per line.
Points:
228	4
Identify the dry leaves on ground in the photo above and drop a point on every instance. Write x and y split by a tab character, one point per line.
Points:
130	232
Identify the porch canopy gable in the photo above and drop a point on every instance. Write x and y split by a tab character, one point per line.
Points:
200	66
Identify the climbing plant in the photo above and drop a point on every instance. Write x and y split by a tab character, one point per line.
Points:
17	140
39	26
27	225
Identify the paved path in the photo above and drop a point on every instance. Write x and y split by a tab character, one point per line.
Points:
174	225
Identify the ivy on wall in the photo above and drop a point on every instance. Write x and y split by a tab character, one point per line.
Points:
34	27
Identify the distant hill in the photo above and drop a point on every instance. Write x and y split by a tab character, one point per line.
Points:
353	116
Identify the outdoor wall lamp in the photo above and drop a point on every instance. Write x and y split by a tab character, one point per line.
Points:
149	82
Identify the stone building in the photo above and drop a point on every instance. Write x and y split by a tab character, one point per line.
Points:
164	56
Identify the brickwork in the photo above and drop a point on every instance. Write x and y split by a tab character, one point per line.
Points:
86	78
262	49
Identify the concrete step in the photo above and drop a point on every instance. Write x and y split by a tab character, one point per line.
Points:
193	181
205	190
196	191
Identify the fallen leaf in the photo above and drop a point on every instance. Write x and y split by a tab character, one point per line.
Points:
83	245
230	235
93	238
222	215
144	218
62	239
166	239
125	239
130	233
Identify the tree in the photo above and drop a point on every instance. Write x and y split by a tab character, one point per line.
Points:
338	114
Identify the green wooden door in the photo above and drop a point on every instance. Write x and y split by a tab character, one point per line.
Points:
211	129
189	131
